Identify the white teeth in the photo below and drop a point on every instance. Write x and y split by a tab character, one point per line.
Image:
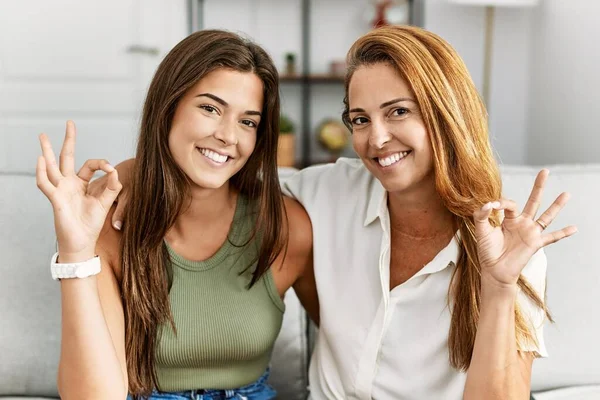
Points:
214	156
393	159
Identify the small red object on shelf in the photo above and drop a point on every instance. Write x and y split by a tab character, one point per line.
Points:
380	8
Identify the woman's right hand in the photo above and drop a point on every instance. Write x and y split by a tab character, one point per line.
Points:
78	214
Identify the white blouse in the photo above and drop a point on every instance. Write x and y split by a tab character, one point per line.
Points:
374	343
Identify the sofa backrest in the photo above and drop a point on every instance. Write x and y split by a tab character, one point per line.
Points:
29	298
573	288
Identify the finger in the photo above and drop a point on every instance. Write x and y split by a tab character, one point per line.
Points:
533	203
119	214
110	193
41	177
53	172
555	236
508	206
67	153
90	167
552	212
481	218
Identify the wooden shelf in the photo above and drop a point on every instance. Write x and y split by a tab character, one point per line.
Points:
319	161
316	78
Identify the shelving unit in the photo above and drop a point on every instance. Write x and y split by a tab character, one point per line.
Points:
315	78
306	79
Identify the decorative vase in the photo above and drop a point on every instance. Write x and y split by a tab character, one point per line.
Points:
286	150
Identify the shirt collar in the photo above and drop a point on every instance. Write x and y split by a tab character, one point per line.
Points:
377	208
376	203
446	257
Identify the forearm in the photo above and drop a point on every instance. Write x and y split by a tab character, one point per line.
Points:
89	367
495	371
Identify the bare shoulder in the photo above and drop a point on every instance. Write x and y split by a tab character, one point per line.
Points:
292	263
299	258
109	246
299	228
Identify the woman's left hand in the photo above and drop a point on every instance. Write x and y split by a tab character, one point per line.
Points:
505	250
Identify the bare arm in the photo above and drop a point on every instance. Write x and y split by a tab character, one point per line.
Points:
498	370
299	258
92	364
92	359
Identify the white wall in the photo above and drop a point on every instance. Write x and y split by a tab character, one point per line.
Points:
68	59
565	83
509	98
545	84
464	28
544	87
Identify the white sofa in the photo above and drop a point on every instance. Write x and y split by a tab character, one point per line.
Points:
30	300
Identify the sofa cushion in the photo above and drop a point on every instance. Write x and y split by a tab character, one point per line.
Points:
289	364
573	393
29	298
573	288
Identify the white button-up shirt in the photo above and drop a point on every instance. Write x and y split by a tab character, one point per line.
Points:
374	343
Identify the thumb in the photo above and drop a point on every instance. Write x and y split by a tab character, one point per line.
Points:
110	193
119	214
481	219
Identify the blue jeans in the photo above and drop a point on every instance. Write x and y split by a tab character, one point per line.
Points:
259	390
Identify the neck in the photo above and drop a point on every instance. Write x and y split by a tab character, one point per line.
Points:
419	215
206	208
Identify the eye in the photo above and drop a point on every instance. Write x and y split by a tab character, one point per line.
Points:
359	121
249	123
210	109
399	112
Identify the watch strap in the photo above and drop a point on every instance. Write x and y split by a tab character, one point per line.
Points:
74	270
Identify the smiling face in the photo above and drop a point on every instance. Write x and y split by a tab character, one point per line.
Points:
388	132
213	132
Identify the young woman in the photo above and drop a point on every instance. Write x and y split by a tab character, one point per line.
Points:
188	299
430	284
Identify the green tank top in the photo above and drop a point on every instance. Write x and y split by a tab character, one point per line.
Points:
225	331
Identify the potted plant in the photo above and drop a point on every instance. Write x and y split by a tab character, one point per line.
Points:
290	64
286	152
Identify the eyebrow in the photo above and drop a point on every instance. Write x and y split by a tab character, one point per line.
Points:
384	105
225	104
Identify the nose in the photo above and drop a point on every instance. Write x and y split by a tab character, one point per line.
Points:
226	132
379	135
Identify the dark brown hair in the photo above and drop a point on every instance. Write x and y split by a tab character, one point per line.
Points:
160	188
466	173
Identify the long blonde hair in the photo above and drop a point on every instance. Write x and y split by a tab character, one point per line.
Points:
466	173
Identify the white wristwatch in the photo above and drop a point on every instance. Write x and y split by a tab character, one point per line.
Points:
74	270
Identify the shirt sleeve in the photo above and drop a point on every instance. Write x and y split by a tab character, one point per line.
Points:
291	183
535	273
303	185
